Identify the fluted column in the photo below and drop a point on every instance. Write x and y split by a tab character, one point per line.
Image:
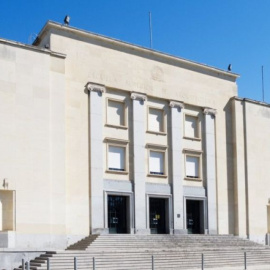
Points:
138	121
177	160
210	149
96	158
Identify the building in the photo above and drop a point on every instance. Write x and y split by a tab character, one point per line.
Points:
101	136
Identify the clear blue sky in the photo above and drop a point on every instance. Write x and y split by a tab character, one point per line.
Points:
213	32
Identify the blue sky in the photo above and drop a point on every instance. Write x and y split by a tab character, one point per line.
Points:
212	32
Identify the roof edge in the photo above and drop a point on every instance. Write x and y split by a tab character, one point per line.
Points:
253	101
53	24
31	47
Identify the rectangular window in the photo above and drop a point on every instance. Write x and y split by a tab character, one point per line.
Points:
156	120
156	162
191	126
116	158
116	113
192	166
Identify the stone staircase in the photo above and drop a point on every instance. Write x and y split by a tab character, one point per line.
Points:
119	251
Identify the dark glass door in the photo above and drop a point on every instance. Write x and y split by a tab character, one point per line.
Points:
157	215
117	214
193	216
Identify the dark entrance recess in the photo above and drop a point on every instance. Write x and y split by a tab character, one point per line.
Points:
117	214
194	216
157	215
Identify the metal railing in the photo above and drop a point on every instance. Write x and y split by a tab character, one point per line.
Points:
26	264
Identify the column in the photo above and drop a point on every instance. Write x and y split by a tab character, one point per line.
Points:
210	154
240	194
139	115
177	161
96	158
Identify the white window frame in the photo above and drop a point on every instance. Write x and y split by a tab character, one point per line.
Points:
125	125
198	135
197	154
161	149
117	143
163	124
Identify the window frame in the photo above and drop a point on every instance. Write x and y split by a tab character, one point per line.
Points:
117	143
164	126
198	137
197	154
125	126
161	149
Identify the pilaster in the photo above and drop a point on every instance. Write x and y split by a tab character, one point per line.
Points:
96	158
210	149
177	176
139	111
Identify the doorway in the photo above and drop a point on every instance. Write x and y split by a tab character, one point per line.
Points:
157	215
195	216
117	214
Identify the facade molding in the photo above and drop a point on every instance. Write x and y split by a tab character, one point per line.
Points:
210	111
176	104
137	96
95	87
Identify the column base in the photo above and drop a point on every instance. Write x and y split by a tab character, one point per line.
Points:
142	231
212	232
100	231
180	231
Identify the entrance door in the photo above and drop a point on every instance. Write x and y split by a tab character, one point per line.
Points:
157	215
117	214
194	216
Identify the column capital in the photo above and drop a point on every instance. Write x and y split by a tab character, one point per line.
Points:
210	111
177	104
95	87
137	96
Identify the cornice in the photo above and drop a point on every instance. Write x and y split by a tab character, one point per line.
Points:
54	25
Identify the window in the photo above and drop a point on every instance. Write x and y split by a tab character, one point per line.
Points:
156	163
116	158
193	165
156	120
117	152
116	113
157	160
192	126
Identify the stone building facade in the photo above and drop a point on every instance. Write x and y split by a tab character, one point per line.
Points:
101	136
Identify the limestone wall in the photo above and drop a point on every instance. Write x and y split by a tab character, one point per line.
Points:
32	142
251	158
92	59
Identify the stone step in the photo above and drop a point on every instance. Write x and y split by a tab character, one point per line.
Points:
123	252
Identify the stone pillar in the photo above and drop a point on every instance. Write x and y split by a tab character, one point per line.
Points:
268	224
138	121
177	160
96	158
210	154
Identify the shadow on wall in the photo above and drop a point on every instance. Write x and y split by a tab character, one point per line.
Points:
230	166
